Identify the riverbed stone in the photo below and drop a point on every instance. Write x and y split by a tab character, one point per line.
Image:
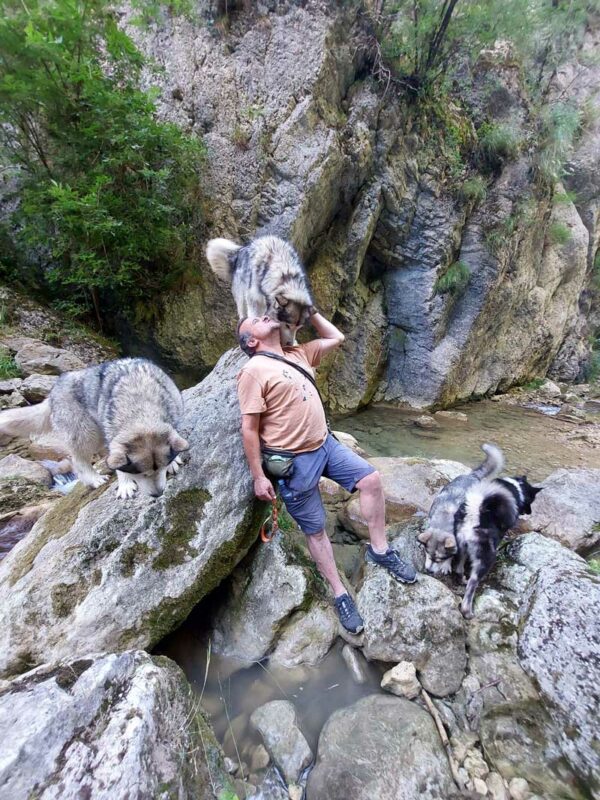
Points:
381	747
36	388
420	623
402	681
277	724
14	466
99	573
355	663
568	509
106	726
307	637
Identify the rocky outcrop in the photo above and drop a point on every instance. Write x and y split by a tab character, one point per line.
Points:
100	573
380	747
106	726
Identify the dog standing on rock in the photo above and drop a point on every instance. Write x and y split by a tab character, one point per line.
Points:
267	279
128	407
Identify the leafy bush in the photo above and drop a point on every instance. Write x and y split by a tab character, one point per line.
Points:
497	145
455	280
108	195
559	127
8	367
559	233
474	189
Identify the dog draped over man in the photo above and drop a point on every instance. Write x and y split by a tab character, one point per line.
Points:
128	408
469	518
267	279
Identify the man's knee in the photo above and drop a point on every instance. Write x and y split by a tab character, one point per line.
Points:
371	483
316	537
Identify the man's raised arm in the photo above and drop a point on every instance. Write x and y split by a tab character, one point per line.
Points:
331	337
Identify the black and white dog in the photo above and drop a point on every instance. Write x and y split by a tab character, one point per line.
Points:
489	510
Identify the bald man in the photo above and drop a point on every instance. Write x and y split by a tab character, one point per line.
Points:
282	411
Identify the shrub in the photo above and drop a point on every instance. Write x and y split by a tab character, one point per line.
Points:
454	281
497	144
559	233
8	367
474	189
559	127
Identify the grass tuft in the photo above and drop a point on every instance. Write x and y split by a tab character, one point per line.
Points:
454	281
559	233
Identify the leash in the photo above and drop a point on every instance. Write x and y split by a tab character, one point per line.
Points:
267	532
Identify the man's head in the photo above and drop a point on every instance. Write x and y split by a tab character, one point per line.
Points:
253	331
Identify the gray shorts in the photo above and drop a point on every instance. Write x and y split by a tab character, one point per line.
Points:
332	460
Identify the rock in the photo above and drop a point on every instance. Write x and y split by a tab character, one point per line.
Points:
295	792
49	447
307	637
519	789
549	389
97	573
496	787
480	786
332	493
229	765
106	726
355	664
276	722
259	758
10	385
16	467
452	416
409	485
37	357
568	509
475	765
381	747
420	623
14	526
426	421
350	441
14	400
402	681
17	493
36	388
261	594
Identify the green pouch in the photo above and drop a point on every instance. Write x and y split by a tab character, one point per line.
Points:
278	464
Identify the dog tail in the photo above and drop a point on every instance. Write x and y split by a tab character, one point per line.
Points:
493	464
28	421
219	253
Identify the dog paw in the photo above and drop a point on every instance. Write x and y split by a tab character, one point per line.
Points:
127	486
96	481
175	466
466	612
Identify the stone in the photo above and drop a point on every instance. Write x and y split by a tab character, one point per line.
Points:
14	466
420	623
480	786
451	416
259	758
332	493
102	574
496	787
568	509
549	389
14	526
36	388
354	662
349	441
409	485
38	358
475	764
13	400
295	792
277	724
48	446
426	421
382	747
108	725
307	637
402	681
519	789
10	385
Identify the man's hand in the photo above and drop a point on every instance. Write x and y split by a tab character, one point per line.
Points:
263	488
331	337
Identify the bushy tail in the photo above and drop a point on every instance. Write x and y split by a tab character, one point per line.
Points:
218	253
493	464
28	421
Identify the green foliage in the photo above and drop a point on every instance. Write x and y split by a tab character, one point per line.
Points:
564	198
151	10
497	144
534	384
108	195
8	367
454	281
559	233
594	565
560	124
474	189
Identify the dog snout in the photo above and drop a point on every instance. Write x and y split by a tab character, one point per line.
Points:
156	494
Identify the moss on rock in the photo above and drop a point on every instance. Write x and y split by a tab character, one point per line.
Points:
184	511
133	556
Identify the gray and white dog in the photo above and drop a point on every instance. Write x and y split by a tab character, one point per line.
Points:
439	536
267	278
128	407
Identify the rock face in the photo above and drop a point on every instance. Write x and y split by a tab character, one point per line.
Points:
380	747
106	726
99	573
568	509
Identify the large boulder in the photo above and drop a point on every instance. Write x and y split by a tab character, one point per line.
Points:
568	509
14	466
98	573
409	484
106	726
36	388
38	358
381	747
307	638
419	623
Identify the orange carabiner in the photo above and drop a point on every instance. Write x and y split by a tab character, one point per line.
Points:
267	534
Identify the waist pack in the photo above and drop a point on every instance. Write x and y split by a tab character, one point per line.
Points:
277	463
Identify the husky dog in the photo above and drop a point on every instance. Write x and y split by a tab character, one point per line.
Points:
489	510
438	537
267	278
127	407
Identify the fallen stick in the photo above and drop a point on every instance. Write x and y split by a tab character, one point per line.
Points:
444	737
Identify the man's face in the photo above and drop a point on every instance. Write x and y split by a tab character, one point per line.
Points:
259	328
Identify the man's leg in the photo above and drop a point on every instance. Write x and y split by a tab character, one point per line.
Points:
321	551
372	507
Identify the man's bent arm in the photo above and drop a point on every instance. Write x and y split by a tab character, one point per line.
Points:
263	488
331	337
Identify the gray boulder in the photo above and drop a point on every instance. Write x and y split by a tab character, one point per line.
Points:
36	388
14	466
100	573
35	357
381	747
307	638
419	623
106	726
277	724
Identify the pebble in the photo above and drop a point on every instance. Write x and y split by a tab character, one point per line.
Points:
294	791
402	680
519	789
496	787
480	786
475	765
259	758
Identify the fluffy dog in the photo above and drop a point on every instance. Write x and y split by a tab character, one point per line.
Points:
490	509
267	278
128	408
438	537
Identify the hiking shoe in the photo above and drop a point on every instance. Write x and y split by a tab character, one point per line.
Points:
348	613
390	560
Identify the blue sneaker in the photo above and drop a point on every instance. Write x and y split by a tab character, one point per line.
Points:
348	613
390	560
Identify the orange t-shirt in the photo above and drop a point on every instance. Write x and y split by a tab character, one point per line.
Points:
291	412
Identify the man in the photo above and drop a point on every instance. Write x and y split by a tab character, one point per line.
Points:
282	410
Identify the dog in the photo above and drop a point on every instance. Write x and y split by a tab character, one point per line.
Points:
489	510
439	536
128	407
267	278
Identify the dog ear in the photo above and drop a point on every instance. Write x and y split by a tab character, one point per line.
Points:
536	489
424	537
449	543
178	443
281	299
117	456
